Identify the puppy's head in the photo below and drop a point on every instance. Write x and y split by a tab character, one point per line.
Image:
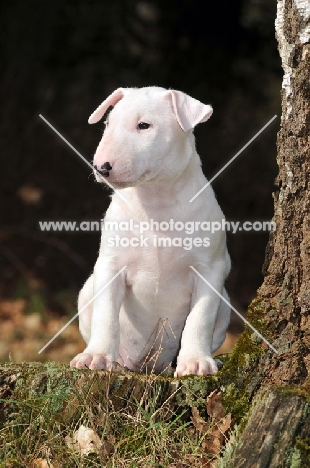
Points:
148	135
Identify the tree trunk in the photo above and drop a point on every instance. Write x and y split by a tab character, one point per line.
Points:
277	433
286	287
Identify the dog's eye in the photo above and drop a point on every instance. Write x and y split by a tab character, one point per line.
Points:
143	126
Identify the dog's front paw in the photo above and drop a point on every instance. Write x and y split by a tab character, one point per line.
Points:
92	361
192	366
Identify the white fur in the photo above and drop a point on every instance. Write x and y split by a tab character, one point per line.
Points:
157	308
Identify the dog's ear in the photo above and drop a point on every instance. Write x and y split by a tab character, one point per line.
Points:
113	99
189	111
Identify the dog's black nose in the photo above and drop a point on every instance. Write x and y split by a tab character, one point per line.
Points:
103	169
106	166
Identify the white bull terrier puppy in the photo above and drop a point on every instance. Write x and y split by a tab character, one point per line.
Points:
157	308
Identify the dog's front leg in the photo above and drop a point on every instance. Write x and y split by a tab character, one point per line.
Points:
102	350
195	356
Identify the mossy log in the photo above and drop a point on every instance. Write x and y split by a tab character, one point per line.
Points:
60	393
42	404
26	381
274	432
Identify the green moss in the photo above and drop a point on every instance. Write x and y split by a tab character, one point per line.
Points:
303	447
296	390
295	459
194	390
299	454
238	374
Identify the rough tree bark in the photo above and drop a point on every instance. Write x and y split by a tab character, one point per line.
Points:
286	285
277	432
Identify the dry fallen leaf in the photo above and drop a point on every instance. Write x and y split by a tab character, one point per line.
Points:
206	462
107	448
84	441
218	435
41	463
215	430
215	408
213	442
199	423
102	420
225	424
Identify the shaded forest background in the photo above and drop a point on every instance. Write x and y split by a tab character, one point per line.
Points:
61	59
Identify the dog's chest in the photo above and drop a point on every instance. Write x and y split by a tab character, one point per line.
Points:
157	265
160	274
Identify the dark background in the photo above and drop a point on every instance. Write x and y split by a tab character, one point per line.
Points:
63	58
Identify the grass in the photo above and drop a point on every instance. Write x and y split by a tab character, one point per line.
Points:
138	421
